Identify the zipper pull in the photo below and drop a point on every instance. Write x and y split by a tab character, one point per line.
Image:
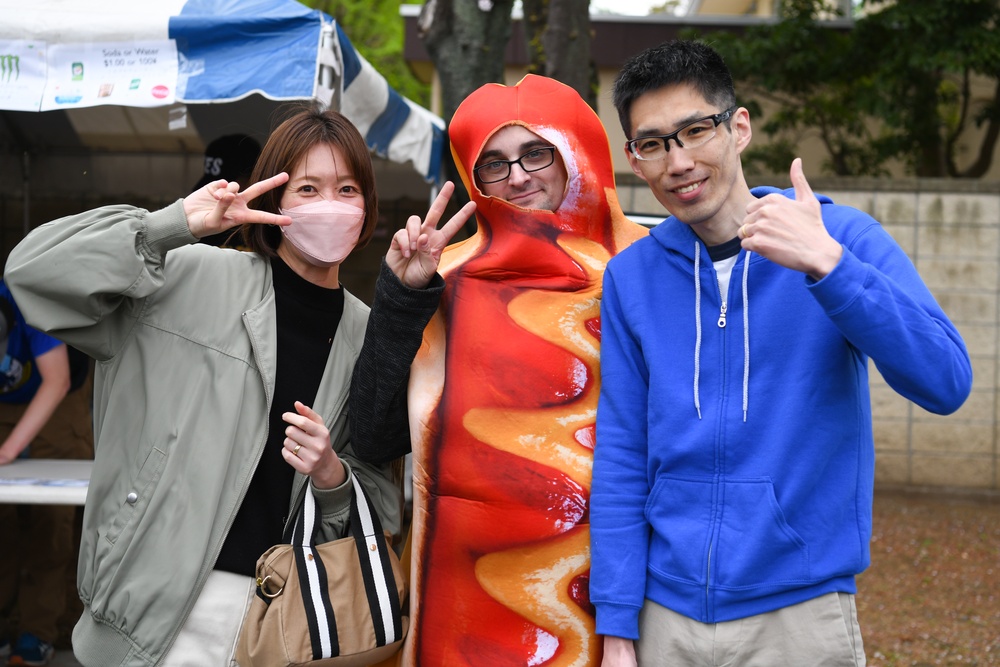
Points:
722	316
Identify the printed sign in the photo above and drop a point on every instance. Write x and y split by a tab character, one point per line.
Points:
136	74
22	74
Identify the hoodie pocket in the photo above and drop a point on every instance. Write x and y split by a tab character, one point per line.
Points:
738	522
757	547
680	512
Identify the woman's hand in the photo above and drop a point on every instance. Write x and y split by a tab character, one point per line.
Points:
307	448
220	206
415	250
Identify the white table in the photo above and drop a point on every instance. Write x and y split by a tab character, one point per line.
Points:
45	481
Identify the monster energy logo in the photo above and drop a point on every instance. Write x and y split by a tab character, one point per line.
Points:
10	67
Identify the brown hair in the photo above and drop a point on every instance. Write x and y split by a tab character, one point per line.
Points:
287	145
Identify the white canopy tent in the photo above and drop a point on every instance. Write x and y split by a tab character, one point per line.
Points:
146	80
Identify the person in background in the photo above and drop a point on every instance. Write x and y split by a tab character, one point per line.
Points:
224	381
42	416
734	463
232	158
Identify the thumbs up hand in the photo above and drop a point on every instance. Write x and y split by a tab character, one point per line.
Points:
791	232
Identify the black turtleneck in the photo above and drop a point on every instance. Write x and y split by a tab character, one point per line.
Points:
307	319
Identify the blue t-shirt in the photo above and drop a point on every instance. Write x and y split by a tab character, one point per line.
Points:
19	376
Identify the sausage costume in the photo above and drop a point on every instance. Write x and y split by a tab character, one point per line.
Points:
503	398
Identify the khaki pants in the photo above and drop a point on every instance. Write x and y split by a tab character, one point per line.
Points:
38	559
822	632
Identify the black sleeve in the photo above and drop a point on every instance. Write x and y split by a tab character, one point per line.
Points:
380	429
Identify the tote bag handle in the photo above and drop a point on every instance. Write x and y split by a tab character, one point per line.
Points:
376	568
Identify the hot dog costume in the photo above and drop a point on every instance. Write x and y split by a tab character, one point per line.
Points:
503	396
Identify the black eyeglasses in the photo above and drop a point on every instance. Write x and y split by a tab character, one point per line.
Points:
536	159
692	135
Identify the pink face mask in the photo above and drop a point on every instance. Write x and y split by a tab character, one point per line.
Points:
325	232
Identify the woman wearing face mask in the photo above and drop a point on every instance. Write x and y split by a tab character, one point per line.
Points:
223	386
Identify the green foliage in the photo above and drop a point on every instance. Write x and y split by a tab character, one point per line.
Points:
665	7
558	40
923	56
376	29
896	86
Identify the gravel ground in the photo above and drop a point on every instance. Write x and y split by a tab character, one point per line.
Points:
931	596
932	593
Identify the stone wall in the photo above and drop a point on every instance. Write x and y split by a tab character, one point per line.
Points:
951	231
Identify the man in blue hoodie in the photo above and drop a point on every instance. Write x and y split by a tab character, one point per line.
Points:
734	461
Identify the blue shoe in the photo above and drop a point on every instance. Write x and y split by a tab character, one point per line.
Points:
31	651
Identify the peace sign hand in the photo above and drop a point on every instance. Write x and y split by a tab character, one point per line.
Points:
415	251
220	206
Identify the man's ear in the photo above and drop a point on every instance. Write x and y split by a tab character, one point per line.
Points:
742	132
633	162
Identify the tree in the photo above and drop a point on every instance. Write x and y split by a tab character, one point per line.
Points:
558	36
466	40
927	54
898	85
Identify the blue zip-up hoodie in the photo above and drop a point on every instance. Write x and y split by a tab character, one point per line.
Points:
734	465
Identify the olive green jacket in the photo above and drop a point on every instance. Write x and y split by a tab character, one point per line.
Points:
184	339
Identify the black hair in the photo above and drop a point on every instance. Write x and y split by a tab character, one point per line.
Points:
677	62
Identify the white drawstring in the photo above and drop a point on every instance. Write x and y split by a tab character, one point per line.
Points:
697	325
746	336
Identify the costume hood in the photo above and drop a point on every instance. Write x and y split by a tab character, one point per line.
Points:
558	114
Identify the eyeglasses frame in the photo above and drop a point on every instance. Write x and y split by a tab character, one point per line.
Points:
510	164
717	119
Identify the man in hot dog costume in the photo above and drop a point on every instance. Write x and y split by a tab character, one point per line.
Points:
503	392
